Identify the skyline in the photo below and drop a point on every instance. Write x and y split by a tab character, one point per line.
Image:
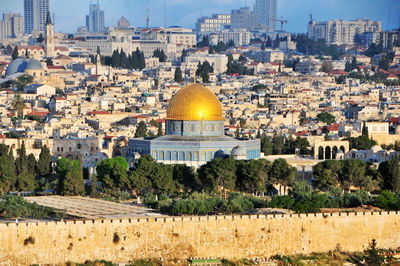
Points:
186	13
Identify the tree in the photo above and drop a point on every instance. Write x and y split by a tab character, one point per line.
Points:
373	256
18	104
365	130
70	177
218	174
113	173
21	161
8	175
32	165
327	173
266	145
178	75
23	81
45	161
282	173
353	174
25	182
390	172
141	130
160	55
40	39
278	143
15	53
159	130
326	118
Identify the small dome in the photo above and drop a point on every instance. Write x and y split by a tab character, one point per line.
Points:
239	151
195	103
16	66
33	64
376	148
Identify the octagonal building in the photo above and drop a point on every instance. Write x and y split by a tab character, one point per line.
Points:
194	133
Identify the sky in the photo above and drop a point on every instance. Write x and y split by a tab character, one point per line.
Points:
70	14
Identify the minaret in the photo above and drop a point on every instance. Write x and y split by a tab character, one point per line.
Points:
98	64
49	41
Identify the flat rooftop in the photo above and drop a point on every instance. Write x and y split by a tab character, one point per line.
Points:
89	208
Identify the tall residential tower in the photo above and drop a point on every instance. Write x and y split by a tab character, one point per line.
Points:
35	12
266	13
95	19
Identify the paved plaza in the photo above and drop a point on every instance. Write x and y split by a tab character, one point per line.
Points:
89	208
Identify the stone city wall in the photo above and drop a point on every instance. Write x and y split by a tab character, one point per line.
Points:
230	237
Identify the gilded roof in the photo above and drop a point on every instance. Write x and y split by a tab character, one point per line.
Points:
195	103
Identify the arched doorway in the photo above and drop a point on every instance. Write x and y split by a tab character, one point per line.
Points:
320	153
334	152
328	153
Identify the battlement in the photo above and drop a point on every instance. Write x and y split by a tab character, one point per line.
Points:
183	237
203	218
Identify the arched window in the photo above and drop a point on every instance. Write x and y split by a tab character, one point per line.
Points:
175	156
169	155
79	146
196	156
182	156
162	155
189	156
155	155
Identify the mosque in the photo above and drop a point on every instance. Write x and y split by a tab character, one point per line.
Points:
194	133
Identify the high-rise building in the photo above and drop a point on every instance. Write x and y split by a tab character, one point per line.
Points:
342	31
266	13
35	13
241	18
95	19
12	25
207	25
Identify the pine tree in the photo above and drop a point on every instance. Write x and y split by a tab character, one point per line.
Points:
159	131
178	75
44	163
15	53
365	130
93	187
21	161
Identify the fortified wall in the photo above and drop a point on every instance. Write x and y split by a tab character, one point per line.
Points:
230	237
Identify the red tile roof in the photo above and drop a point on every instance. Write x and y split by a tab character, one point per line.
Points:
99	113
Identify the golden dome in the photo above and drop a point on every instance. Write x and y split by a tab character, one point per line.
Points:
195	103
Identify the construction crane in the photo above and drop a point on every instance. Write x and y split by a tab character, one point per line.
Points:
310	15
282	21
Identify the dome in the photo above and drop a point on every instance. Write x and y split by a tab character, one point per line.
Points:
376	148
17	65
195	103
239	151
33	64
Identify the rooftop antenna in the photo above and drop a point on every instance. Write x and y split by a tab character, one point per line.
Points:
165	13
148	14
388	21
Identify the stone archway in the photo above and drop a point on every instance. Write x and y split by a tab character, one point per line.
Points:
334	152
320	153
328	153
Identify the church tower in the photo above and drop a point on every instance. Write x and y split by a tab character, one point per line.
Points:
49	41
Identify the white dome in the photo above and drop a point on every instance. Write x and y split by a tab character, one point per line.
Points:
376	148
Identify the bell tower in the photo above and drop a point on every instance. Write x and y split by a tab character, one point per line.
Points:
49	41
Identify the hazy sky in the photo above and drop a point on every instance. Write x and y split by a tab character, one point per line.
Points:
69	14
